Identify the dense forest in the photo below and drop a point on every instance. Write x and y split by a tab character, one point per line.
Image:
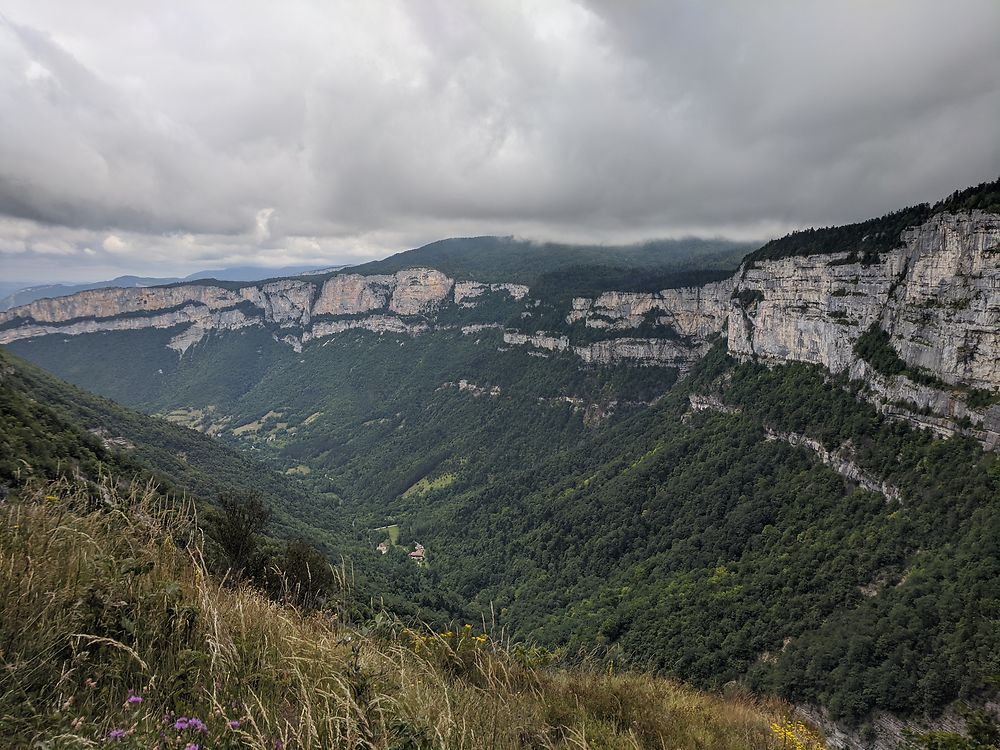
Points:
699	547
506	259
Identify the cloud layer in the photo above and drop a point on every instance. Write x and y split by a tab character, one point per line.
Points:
164	137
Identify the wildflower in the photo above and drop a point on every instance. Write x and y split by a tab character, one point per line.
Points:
198	724
181	724
116	734
234	724
133	699
191	746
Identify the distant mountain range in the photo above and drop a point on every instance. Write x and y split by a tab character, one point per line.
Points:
15	293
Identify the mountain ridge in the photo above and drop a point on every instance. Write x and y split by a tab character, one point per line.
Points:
932	289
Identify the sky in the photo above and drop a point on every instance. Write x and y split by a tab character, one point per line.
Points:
161	138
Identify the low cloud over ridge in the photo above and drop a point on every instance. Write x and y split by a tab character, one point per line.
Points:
166	137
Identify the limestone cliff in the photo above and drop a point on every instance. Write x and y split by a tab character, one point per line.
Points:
937	296
698	311
312	310
934	291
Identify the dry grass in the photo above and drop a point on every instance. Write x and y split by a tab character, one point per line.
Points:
106	597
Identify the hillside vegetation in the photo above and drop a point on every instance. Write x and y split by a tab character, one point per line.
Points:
693	543
51	429
369	415
867	239
589	267
47	432
114	634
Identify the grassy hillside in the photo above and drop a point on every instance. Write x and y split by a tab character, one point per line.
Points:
115	635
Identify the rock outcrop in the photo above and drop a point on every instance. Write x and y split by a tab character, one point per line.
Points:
418	290
840	461
636	351
466	292
697	311
351	294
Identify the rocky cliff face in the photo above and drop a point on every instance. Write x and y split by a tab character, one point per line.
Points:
467	292
637	351
309	309
697	312
936	295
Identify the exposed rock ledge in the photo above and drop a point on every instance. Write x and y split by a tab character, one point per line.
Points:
637	351
840	460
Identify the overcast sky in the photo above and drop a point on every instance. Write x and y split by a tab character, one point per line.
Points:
164	137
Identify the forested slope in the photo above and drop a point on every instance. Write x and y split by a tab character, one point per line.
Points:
52	428
691	542
506	259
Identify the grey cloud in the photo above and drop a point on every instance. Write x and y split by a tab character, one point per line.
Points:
341	130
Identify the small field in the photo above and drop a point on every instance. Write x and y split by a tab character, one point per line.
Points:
425	485
392	532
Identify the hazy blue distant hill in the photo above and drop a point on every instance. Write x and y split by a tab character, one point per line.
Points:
9	287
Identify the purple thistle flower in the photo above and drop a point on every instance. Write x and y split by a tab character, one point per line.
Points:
116	734
234	724
133	699
191	746
198	724
181	724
